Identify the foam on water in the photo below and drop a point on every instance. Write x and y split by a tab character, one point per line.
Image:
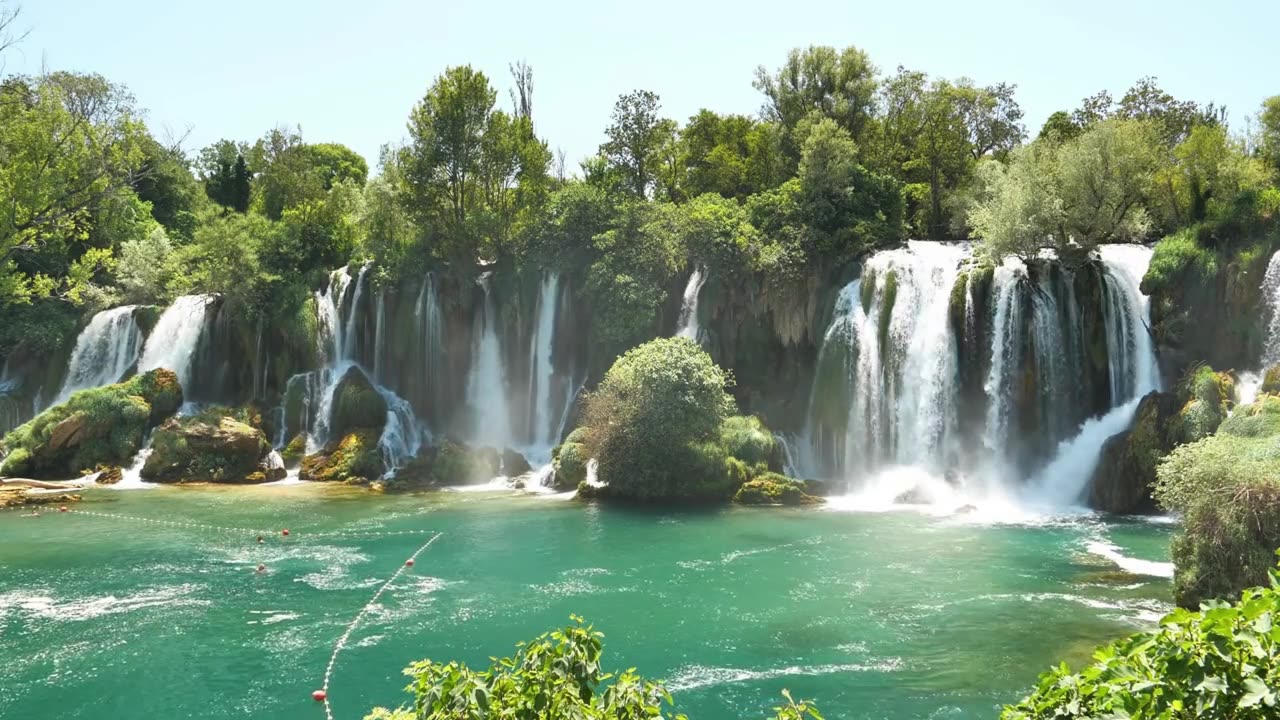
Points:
693	677
1136	566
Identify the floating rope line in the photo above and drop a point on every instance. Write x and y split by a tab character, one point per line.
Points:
323	693
295	534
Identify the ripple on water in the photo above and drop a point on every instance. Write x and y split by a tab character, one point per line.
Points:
693	677
34	604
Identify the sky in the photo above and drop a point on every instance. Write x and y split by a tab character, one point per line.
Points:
350	72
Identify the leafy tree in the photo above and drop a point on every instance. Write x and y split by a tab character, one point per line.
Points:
165	181
992	118
839	84
654	419
1059	127
146	268
1269	130
224	169
1222	662
845	206
1209	171
391	234
71	145
335	163
223	257
443	158
634	138
733	155
627	282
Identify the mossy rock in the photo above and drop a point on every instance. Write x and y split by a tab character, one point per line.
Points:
209	447
579	435
1126	471
774	489
459	464
746	438
1207	402
295	450
1271	381
356	405
570	466
354	459
513	463
587	491
99	426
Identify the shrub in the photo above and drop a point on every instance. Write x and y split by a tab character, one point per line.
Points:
557	675
747	439
1220	662
571	465
655	407
1208	396
1227	489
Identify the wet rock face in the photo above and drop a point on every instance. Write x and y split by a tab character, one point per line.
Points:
1126	468
207	448
354	459
356	404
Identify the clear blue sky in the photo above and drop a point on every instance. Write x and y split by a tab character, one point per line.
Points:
349	72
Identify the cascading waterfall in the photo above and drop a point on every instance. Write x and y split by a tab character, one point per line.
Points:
487	386
888	356
885	406
430	318
687	324
105	351
1271	296
172	343
543	430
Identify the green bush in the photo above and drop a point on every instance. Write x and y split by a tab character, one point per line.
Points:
99	426
557	675
571	465
1208	401
1221	662
747	439
1226	487
774	489
651	417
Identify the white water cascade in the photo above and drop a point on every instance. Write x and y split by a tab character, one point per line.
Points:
687	324
544	415
1005	350
105	350
1271	296
173	342
487	386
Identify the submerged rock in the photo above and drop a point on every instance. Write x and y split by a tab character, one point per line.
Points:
94	427
210	448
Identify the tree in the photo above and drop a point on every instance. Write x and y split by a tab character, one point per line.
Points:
522	93
992	118
70	144
1269	130
733	155
839	84
627	282
223	257
165	181
654	420
146	269
1209	171
634	138
846	207
224	169
444	154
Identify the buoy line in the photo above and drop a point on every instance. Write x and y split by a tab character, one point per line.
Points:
259	532
322	695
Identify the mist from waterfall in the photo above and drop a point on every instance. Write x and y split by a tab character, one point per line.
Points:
107	348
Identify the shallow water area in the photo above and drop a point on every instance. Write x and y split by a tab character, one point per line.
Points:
154	607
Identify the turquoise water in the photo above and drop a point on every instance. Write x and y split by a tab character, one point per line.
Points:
884	615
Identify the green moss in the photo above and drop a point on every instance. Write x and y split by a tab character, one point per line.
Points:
571	465
1208	400
356	404
774	489
99	426
1175	255
295	450
1271	381
887	300
354	460
208	447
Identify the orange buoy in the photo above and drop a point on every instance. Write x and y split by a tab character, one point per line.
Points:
319	695
408	563
285	532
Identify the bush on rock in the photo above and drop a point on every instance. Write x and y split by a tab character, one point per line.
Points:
100	426
210	447
1226	488
774	489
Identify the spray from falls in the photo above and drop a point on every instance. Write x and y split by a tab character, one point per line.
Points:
105	351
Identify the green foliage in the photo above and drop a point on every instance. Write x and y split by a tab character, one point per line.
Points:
165	181
846	208
354	459
734	156
650	418
557	675
1221	662
774	489
745	438
1226	488
838	84
224	169
146	270
634	141
100	426
570	464
223	258
1269	131
1208	402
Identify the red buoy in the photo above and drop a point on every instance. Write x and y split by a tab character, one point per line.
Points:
285	532
409	562
62	508
319	696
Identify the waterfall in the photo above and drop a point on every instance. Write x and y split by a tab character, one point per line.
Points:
1271	296
888	359
543	428
104	352
487	386
1131	357
1063	481
687	324
431	320
172	343
1005	352
379	327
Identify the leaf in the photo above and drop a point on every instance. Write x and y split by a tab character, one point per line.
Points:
1256	691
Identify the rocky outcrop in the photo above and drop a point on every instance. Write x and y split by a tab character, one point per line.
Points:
354	459
774	489
101	426
356	405
210	448
1126	469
